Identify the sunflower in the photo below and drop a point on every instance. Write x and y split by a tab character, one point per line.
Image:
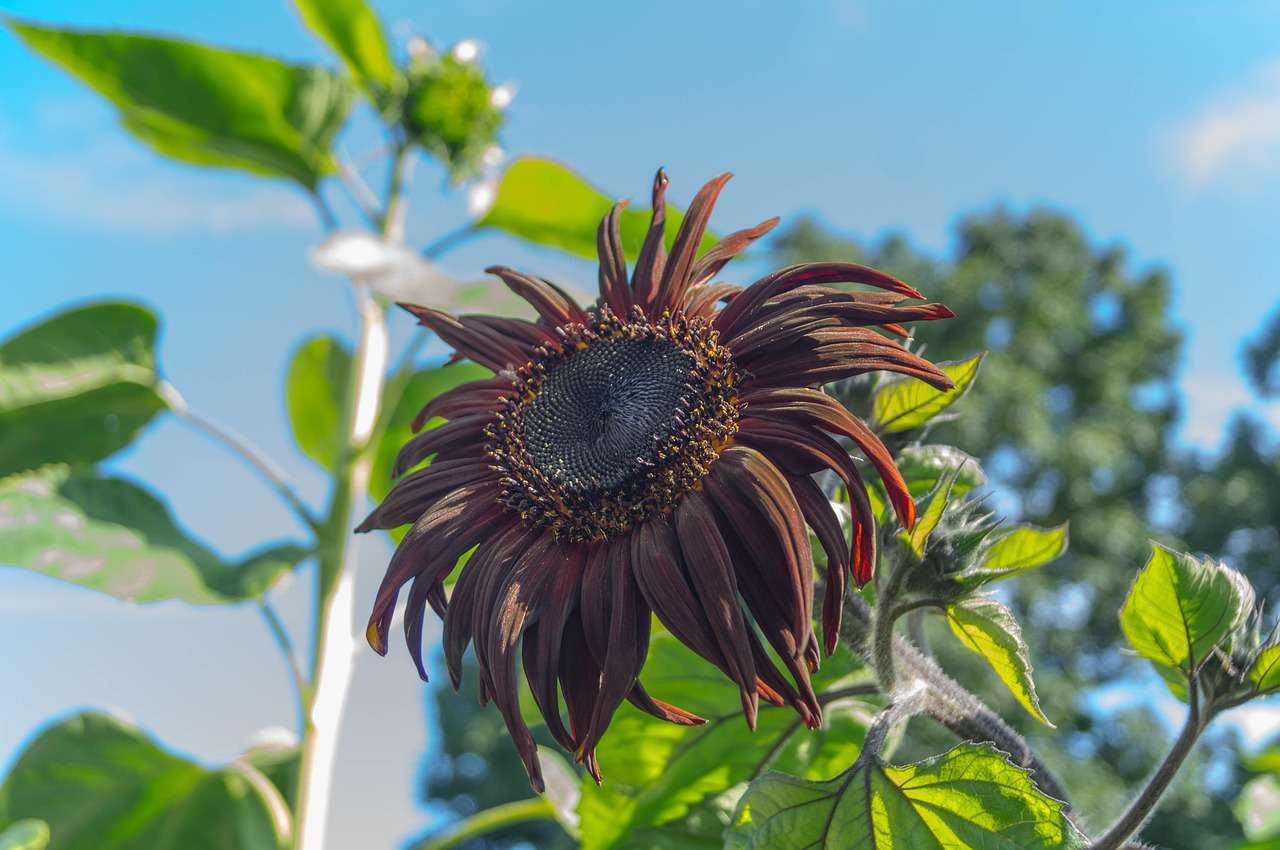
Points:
652	453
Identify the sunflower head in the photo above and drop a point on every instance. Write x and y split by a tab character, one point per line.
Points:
651	454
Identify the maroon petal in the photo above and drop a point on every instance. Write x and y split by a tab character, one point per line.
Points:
416	492
684	251
474	341
543	669
468	398
614	290
463	431
580	682
710	264
653	253
703	301
552	303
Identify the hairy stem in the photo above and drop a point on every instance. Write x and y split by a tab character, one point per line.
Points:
945	700
1144	805
487	820
906	702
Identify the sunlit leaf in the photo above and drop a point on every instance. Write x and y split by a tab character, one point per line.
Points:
77	387
971	798
664	780
113	536
1181	608
28	834
1019	549
351	28
989	629
103	785
929	510
1265	672
315	390
923	466
206	105
905	403
543	202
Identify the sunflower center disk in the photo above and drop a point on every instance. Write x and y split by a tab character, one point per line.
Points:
615	424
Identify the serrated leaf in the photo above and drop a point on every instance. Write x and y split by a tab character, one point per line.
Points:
1265	671
922	466
988	628
111	535
103	785
77	387
905	403
206	105
351	28
315	391
929	510
1180	608
661	778
28	834
544	202
1019	549
971	798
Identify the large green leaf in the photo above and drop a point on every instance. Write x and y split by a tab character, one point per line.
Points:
1264	673
989	629
206	105
971	798
658	775
315	391
1181	608
351	28
113	536
545	203
1021	548
28	834
77	387
103	785
901	404
922	466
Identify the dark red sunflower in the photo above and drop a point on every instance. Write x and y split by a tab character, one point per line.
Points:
654	452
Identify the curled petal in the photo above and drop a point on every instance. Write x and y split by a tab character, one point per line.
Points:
653	253
553	304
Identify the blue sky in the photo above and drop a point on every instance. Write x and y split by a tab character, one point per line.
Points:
1156	124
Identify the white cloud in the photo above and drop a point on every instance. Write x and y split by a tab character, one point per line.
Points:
1212	398
851	16
80	170
1235	138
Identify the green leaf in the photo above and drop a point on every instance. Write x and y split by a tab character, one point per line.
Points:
103	785
1181	608
77	387
29	834
205	105
661	779
401	405
902	404
1258	809
922	466
1265	670
282	766
315	391
971	798
1020	549
351	28
545	203
928	513
989	629
113	536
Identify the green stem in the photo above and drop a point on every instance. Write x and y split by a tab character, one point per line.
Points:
449	241
300	684
325	213
534	808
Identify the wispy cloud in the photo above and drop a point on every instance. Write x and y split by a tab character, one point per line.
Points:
1212	399
81	171
1235	138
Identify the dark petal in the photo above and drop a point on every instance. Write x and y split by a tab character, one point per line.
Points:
712	573
783	322
739	315
596	599
640	698
780	691
543	669
416	492
463	431
474	341
614	290
470	397
710	264
755	497
529	335
684	251
481	576
831	353
826	526
552	303
813	407
653	254
702	300
579	680
520	603
431	548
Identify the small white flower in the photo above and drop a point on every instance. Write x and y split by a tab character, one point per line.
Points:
501	96
467	51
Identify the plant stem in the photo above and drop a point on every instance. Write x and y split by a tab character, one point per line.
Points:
325	213
907	701
300	684
334	639
884	616
450	240
1144	805
252	455
487	820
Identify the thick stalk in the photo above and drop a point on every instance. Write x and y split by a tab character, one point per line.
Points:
334	637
